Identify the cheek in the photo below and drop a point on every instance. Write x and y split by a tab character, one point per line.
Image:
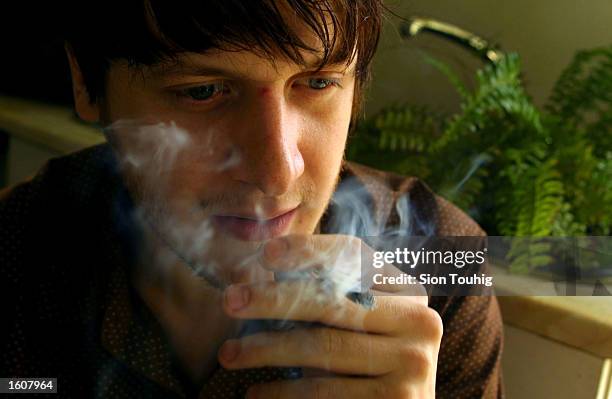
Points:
323	157
324	141
189	180
161	163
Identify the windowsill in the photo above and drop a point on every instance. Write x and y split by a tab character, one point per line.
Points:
583	322
50	126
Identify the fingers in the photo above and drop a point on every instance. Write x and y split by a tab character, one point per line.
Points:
306	300
329	388
295	252
310	301
410	358
329	349
404	315
345	260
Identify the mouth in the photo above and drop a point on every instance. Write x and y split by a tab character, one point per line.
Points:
249	228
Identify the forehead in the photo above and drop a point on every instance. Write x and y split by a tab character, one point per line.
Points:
244	65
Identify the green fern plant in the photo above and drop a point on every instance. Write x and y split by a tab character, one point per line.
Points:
518	170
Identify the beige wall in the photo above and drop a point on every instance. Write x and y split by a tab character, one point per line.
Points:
536	367
546	33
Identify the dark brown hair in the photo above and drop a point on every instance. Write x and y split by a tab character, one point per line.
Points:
147	32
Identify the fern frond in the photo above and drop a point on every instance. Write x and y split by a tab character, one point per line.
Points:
406	129
536	200
528	254
450	75
499	99
582	96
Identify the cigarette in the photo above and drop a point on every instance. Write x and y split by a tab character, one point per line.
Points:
365	299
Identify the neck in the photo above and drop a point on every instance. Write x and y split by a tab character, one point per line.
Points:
187	307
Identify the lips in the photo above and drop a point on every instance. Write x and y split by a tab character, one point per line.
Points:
254	229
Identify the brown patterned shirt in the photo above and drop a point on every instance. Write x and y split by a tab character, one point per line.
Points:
66	248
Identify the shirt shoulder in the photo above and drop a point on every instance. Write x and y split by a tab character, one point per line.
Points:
393	194
73	175
54	217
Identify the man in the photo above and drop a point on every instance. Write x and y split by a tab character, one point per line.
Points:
155	265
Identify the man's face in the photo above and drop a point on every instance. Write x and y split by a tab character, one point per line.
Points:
251	149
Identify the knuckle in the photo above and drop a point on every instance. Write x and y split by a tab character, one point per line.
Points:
333	311
429	321
405	391
277	342
275	297
405	314
391	391
432	324
329	342
255	347
417	361
262	295
420	314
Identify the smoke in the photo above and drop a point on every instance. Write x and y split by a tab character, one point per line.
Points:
153	146
147	154
150	153
474	164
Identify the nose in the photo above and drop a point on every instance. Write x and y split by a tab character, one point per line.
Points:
269	144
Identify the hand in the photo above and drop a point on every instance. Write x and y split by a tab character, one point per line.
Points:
389	351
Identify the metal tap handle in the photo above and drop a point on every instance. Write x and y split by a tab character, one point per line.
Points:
483	48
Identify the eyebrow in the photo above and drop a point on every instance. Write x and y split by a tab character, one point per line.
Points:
204	70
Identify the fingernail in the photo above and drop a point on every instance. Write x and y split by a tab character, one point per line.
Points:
229	350
237	296
275	249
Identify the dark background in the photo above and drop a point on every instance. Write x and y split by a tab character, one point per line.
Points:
32	61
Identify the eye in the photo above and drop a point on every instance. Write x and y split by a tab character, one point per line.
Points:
321	83
203	92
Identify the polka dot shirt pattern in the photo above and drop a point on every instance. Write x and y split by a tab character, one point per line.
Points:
71	313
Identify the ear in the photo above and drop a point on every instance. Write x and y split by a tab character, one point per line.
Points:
83	105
